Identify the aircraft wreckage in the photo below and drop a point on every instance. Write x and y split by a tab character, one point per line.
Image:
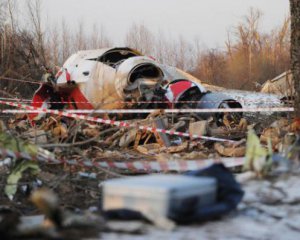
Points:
122	78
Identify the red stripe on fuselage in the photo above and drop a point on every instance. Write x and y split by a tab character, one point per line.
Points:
180	87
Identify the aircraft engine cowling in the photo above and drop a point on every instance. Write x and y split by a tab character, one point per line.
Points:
135	75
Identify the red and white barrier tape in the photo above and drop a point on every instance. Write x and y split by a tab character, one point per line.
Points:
128	111
139	102
115	123
136	166
178	166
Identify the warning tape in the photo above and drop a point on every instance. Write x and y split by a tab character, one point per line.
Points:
128	111
136	166
115	123
140	102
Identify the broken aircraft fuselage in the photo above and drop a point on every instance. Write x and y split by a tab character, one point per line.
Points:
120	78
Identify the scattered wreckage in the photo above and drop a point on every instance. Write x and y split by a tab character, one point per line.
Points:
282	86
122	78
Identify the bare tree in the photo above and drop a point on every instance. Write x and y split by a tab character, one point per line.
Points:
80	37
11	10
212	68
8	30
35	17
65	40
140	37
295	51
2	12
253	55
98	38
185	59
55	46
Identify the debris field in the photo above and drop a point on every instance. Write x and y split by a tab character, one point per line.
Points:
139	118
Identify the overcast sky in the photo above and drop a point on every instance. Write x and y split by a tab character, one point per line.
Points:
207	20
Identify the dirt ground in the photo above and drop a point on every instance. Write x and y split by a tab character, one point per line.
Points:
269	209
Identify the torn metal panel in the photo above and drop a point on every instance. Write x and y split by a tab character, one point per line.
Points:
162	138
218	100
177	90
281	85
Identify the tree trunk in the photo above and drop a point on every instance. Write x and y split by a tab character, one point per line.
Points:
295	51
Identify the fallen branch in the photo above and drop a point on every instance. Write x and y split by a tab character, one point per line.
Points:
67	145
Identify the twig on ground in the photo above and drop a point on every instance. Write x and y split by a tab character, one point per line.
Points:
67	145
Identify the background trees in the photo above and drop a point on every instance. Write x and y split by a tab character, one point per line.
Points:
250	56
